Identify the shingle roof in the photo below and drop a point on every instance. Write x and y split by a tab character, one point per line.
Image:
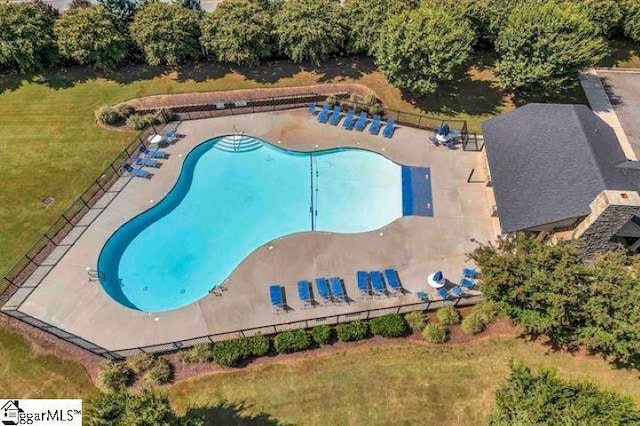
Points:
549	161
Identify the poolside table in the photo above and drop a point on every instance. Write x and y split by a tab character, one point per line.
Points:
434	282
154	139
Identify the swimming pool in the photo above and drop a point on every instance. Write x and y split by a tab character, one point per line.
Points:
233	195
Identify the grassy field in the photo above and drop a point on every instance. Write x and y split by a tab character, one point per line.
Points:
52	147
25	374
400	383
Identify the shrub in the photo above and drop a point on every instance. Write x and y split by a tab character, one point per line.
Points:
159	372
228	353
108	115
140	121
448	315
141	362
370	99
392	325
488	309
322	334
198	353
375	109
416	320
436	333
258	345
292	341
125	110
353	331
473	323
116	375
331	100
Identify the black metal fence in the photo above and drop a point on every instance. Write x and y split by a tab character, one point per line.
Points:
35	263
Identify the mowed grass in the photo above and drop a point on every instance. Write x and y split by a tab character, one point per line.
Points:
403	383
25	374
52	147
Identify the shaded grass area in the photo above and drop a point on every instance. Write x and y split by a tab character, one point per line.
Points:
624	54
52	147
25	374
403	383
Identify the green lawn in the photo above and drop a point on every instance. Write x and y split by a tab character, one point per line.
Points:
52	147
400	383
24	374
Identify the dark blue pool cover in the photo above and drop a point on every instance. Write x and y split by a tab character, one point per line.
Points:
417	199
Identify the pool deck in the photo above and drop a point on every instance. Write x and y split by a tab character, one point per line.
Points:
415	246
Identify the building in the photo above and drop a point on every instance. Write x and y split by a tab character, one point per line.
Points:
561	168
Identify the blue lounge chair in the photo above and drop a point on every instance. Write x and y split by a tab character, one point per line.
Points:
374	129
443	293
457	291
422	296
170	134
277	298
377	283
393	281
324	114
304	293
336	115
362	121
323	290
350	120
388	129
153	153
312	108
150	162
469	273
364	288
466	282
134	171
337	290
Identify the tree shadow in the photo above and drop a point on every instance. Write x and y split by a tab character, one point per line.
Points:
227	413
202	71
573	94
621	51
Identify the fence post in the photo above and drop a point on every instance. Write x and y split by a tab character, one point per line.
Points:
154	128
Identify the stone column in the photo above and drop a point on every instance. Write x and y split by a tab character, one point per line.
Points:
610	211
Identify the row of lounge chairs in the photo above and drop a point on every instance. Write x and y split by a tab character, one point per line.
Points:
333	117
146	158
370	284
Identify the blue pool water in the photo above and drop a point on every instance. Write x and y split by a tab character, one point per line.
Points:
233	195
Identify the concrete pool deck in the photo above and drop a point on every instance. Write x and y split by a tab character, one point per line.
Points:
416	246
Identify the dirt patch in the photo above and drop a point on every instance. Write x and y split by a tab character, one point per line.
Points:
228	96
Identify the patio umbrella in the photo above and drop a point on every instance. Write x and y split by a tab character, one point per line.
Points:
436	280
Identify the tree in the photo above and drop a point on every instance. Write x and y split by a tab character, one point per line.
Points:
238	31
88	35
166	33
417	50
631	20
122	10
310	30
537	283
79	4
544	45
530	399
26	36
611	316
606	14
366	18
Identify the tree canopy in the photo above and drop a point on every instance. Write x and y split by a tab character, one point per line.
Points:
167	33
549	289
543	398
238	31
27	41
122	10
631	20
310	30
88	35
606	14
544	45
418	49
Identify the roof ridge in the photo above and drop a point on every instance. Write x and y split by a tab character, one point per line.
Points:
593	154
